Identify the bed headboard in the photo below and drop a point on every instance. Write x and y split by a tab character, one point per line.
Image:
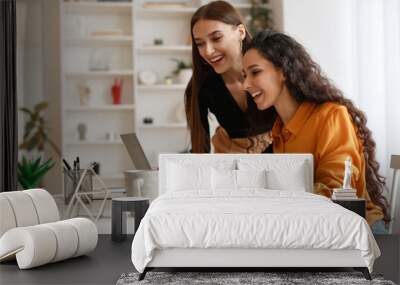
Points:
213	159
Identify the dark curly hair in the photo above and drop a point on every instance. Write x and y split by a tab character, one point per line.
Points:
306	82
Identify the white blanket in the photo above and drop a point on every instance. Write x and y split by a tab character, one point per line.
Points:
252	218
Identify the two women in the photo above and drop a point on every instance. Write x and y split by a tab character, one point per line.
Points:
288	93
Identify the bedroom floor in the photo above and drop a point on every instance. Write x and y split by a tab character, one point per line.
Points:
111	259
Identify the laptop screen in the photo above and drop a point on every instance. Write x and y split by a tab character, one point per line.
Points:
135	151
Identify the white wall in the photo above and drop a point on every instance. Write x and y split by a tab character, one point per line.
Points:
325	29
391	16
357	44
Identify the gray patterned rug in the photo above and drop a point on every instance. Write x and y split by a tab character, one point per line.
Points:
242	278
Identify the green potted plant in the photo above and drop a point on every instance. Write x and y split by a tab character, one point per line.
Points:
183	71
30	172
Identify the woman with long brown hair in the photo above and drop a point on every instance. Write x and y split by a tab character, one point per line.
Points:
218	38
314	117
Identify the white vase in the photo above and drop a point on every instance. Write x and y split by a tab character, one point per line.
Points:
184	75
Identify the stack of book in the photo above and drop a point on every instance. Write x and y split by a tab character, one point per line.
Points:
344	194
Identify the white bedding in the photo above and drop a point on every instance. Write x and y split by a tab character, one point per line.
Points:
251	218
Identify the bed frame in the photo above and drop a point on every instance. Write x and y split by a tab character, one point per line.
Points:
248	259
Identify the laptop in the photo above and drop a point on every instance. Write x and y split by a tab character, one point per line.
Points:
135	151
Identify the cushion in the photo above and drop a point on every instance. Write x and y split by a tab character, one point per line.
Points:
193	174
181	178
223	179
23	208
280	174
45	205
251	178
40	244
236	179
7	217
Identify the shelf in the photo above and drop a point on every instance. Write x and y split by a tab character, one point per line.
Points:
162	48
175	11
99	40
112	73
98	7
164	126
170	12
162	87
122	107
96	142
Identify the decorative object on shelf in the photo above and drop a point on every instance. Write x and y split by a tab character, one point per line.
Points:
347	174
183	71
99	60
82	131
96	167
84	94
116	93
30	172
110	136
168	80
180	112
346	192
158	41
260	16
147	120
147	77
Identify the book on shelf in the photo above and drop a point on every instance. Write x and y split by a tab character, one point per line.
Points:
342	190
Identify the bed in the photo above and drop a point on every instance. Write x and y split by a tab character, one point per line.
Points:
246	211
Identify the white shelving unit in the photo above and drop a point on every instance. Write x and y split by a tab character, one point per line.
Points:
125	32
163	103
91	29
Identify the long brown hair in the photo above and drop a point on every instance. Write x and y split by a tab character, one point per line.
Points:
305	82
219	11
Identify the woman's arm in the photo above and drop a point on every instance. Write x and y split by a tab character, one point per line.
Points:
337	141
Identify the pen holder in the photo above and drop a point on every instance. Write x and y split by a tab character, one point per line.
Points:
71	180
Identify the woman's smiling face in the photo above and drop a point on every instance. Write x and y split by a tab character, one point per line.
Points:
219	44
263	81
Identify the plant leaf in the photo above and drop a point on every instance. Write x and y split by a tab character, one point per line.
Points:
26	110
41	106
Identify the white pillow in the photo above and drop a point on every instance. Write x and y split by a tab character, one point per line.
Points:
181	177
293	179
251	178
223	179
281	174
227	179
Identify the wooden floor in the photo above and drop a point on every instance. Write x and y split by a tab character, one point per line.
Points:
111	259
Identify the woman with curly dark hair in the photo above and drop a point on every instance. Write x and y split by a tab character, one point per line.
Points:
314	117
